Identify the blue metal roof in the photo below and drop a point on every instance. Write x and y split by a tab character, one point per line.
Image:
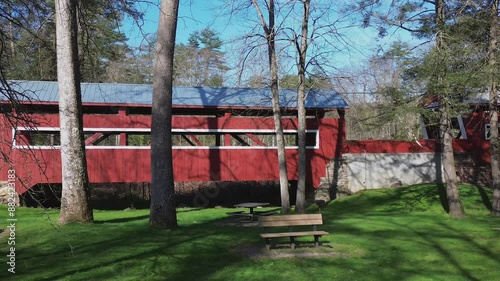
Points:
44	91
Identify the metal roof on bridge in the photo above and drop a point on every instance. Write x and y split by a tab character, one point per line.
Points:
141	94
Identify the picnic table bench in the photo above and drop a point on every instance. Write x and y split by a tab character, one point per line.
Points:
291	221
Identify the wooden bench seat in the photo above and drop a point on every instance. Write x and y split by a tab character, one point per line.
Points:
291	221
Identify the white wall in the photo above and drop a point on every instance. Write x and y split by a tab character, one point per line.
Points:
377	170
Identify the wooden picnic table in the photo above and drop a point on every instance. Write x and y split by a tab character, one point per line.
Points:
251	206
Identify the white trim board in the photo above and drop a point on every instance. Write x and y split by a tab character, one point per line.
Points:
147	130
175	130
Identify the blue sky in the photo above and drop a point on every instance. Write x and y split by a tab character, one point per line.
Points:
192	17
195	15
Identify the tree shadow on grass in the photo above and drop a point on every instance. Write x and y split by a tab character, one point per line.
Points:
186	210
385	201
466	195
134	250
484	197
301	243
106	250
122	220
443	249
404	200
443	197
392	242
129	219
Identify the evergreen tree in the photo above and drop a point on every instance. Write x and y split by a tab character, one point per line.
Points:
201	61
432	19
29	28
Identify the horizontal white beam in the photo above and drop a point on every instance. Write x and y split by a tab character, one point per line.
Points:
141	130
93	147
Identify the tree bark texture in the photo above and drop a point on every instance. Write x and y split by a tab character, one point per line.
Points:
163	211
493	107
301	111
270	31
456	209
75	199
448	161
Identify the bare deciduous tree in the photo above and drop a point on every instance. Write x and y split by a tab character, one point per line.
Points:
75	199
270	33
301	108
163	211
494	140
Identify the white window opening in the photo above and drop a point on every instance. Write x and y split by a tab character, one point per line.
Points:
133	138
487	134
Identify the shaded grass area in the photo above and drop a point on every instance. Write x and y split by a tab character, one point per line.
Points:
389	234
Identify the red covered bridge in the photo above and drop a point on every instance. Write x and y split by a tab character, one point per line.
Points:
219	134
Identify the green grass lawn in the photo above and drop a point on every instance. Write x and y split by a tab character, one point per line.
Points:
389	234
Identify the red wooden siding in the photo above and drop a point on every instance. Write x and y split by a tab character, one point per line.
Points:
475	125
5	147
480	148
193	164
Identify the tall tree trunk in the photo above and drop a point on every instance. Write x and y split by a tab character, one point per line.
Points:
163	211
75	206
494	140
448	159
270	32
301	111
11	34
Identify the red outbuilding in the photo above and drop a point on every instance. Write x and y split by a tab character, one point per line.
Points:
471	129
